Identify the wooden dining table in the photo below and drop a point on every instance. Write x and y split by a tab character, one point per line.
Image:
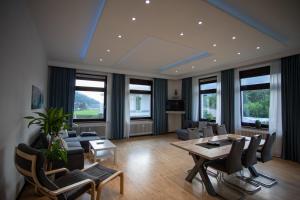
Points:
200	153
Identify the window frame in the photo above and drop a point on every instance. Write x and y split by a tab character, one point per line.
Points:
261	86
211	79
92	77
142	82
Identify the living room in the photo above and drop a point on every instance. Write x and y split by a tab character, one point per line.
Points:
152	93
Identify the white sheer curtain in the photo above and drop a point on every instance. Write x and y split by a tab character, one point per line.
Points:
108	107
237	100
127	108
195	100
275	113
218	113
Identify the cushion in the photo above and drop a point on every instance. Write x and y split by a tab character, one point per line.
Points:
87	134
73	144
63	133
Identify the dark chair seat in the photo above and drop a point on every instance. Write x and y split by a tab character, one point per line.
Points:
99	173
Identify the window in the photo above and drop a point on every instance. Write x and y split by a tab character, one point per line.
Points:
140	99
208	98
90	98
255	96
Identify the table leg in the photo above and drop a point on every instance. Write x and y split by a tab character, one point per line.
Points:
199	161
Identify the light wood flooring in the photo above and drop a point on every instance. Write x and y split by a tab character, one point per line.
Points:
156	170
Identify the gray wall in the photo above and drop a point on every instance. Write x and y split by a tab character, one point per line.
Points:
22	64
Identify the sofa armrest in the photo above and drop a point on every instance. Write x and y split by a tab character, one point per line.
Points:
75	150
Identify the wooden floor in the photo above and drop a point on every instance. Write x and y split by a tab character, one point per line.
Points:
156	170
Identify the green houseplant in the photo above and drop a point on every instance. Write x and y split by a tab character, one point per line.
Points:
258	124
51	123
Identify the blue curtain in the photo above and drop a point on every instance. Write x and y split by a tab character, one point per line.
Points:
117	106
187	96
62	89
290	77
227	99
160	98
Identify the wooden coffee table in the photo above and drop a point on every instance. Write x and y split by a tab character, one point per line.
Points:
102	148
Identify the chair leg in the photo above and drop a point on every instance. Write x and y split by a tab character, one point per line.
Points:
256	174
99	192
121	183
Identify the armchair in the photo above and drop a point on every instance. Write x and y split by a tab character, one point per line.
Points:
72	184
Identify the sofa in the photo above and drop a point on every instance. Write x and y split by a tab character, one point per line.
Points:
76	145
190	129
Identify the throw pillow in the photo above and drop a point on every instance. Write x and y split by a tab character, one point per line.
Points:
88	134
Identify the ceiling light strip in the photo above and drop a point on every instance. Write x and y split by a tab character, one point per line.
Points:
92	29
198	56
222	5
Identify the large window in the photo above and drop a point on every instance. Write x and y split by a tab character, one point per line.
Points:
90	98
140	99
255	96
208	98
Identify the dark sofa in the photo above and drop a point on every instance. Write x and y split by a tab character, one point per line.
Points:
76	146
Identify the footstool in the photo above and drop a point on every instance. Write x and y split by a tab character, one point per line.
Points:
102	175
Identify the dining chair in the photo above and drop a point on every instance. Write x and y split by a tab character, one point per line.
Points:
264	155
221	130
249	159
230	164
208	131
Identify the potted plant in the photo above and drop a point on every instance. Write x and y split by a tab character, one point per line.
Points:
51	123
257	124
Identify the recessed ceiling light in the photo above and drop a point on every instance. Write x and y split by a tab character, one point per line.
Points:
200	22
181	34
238	53
100	59
233	37
214	45
215	60
176	71
119	36
147	1
107	50
193	67
258	47
133	18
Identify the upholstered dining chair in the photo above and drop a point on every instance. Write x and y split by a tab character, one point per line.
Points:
208	131
72	184
221	130
264	155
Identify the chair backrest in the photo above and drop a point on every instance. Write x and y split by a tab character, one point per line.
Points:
221	130
234	159
266	152
202	124
30	163
249	157
208	131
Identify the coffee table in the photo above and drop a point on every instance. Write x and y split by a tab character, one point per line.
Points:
102	148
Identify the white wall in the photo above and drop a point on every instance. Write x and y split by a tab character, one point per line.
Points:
22	64
174	120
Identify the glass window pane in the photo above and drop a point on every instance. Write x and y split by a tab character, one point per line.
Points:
255	80
208	86
139	87
90	83
88	105
208	106
255	106
140	105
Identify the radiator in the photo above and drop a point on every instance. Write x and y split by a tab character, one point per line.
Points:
141	128
251	132
98	128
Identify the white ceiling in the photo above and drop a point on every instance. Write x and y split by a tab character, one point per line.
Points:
152	44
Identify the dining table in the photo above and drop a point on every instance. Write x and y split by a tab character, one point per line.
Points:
207	149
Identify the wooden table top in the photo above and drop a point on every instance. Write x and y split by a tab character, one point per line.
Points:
213	153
